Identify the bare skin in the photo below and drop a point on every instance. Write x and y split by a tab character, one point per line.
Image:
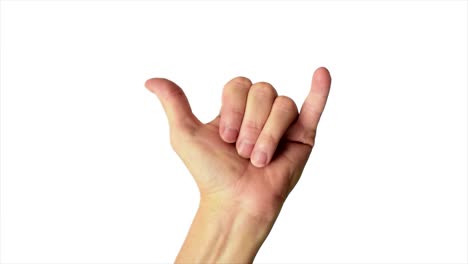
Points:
241	189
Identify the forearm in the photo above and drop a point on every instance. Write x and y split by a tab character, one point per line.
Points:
223	235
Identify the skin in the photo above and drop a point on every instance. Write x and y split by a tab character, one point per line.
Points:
245	162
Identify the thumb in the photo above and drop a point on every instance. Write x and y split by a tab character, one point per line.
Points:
175	104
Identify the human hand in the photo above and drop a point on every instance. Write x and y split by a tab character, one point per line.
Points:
249	158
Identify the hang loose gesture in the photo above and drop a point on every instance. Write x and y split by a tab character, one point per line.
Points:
245	162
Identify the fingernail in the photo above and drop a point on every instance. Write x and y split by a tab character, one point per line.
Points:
230	134
245	148
259	158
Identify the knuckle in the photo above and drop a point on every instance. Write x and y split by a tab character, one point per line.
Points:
232	116
239	82
268	139
285	104
236	87
252	125
181	134
264	89
173	94
307	135
236	113
311	109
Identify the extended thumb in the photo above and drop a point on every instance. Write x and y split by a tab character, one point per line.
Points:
174	102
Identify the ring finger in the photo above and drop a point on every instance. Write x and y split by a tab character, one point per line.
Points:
283	114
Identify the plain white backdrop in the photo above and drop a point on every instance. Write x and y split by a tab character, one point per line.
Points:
88	174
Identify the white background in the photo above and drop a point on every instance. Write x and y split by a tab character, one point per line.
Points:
88	175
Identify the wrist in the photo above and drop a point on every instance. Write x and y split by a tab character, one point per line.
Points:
224	233
228	208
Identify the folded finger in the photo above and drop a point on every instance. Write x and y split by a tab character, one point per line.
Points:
234	100
259	101
283	114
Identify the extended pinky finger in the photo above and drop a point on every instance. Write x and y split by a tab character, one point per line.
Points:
283	114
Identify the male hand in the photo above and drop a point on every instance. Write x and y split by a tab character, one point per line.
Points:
245	162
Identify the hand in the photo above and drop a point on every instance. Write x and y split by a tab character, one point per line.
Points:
249	158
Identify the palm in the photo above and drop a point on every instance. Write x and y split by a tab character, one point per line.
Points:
219	170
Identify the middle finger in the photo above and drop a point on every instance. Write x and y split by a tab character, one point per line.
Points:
259	102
